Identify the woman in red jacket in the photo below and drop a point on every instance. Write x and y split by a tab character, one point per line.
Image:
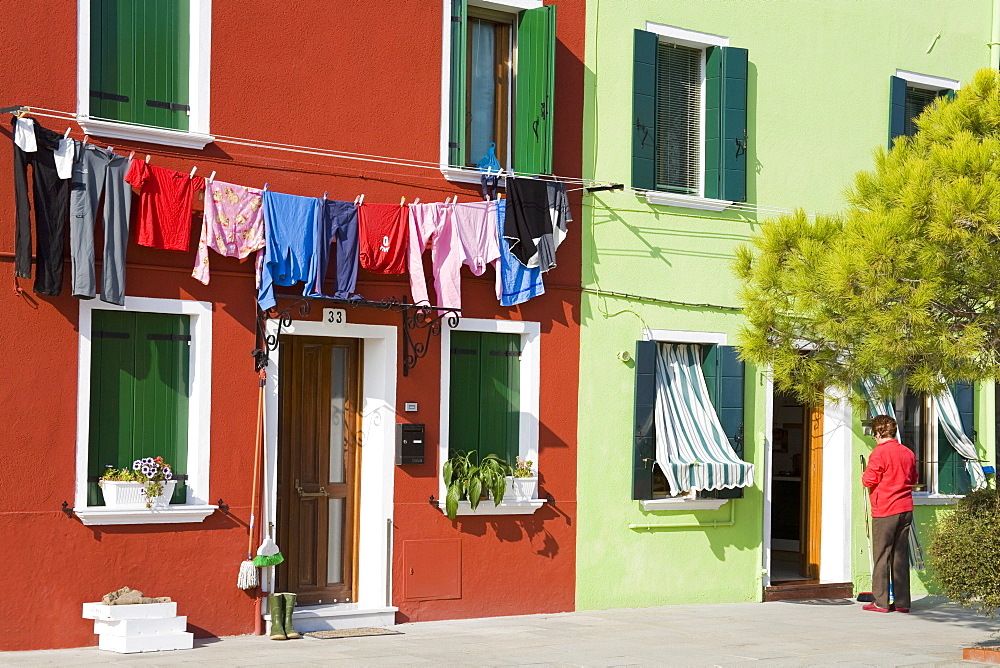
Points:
891	473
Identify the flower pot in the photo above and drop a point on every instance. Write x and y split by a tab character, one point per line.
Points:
521	489
132	495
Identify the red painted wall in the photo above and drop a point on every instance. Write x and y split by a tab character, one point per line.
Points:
333	79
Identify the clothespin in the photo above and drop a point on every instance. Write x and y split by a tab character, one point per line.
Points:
211	177
66	134
111	148
193	170
130	155
402	200
359	200
416	201
266	185
324	194
86	138
23	111
147	158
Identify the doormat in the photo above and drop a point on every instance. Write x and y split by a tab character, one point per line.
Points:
352	633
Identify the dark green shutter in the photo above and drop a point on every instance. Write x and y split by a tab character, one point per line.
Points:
644	424
139	60
953	478
484	403
457	120
726	123
463	406
948	94
499	402
724	377
140	385
644	111
897	108
534	90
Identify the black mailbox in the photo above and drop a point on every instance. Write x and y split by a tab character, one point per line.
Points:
409	444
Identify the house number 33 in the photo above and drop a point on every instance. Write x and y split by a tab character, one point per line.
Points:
336	316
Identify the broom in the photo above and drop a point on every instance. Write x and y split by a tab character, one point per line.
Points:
867	596
268	553
248	578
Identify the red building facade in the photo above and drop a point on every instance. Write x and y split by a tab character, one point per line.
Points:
308	100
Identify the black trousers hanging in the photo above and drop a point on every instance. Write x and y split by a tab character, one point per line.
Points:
51	196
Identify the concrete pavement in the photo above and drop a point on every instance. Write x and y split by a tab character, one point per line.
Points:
804	633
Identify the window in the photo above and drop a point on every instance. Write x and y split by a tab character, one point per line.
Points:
940	468
144	70
909	94
724	379
500	86
144	391
489	398
689	131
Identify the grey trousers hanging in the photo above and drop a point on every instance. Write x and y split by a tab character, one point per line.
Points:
96	172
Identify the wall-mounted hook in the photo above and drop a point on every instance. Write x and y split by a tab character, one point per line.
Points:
66	509
222	506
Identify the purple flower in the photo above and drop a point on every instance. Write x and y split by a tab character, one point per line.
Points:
146	472
147	460
136	465
166	473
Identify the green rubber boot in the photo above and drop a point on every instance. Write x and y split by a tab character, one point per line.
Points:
290	631
276	604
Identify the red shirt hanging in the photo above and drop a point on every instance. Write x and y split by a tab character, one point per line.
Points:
384	236
165	198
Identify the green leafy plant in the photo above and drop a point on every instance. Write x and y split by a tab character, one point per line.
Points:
522	468
964	552
466	480
152	472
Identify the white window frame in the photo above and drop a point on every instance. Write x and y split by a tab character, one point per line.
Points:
199	79
927	81
466	174
528	392
931	443
691	500
197	507
696	40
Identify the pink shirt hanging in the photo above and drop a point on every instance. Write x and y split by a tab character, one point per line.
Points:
233	225
476	224
432	224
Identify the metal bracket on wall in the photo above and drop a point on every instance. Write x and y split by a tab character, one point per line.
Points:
415	317
66	509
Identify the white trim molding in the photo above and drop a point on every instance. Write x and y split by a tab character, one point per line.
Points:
682	504
660	198
693	38
530	333
925	499
927	81
199	84
681	336
377	452
199	414
838	481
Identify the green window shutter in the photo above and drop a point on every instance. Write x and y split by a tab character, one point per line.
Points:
535	81
952	476
139	53
139	387
726	123
947	94
457	120
644	111
724	377
463	400
499	398
897	108
644	425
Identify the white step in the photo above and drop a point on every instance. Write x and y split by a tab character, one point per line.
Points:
141	627
136	611
133	644
338	616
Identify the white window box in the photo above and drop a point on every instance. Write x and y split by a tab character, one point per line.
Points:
506	507
683	504
686	201
145	133
176	514
926	499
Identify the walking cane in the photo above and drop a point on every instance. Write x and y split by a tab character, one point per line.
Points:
867	596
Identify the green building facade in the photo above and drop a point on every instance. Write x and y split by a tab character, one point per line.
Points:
717	116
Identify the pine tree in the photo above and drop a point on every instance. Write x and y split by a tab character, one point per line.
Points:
902	286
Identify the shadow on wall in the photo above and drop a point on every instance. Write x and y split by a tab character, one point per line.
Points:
509	530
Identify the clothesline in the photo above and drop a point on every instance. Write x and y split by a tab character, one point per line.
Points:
580	183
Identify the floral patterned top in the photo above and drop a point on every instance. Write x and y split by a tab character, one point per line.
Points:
233	225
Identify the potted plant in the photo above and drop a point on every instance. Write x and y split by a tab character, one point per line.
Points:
148	484
523	483
468	481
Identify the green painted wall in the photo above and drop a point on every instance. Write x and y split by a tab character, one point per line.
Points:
818	103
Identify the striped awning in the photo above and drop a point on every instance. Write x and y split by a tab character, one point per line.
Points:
692	449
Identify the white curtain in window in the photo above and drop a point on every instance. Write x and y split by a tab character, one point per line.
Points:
951	424
692	450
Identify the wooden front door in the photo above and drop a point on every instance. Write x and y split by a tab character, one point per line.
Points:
318	439
812	491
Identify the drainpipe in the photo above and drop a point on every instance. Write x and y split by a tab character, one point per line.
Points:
995	37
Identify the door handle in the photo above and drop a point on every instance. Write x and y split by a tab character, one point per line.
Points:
304	494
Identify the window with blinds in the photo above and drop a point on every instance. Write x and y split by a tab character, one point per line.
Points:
678	118
917	99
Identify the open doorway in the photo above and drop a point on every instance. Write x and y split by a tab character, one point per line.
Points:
796	491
